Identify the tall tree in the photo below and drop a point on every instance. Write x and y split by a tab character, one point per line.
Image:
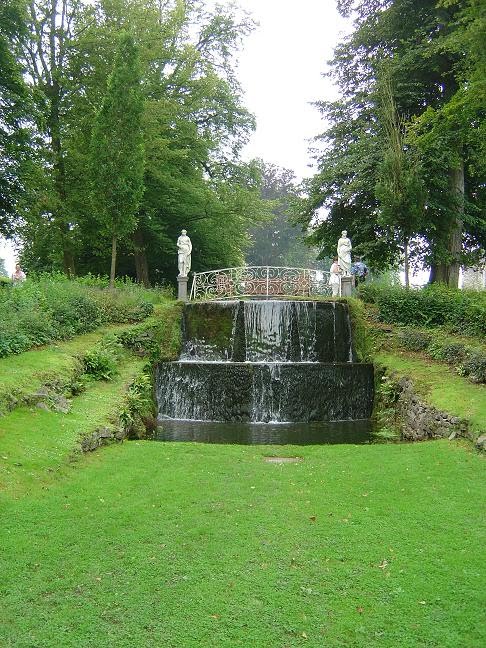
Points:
279	241
194	125
399	189
421	44
117	148
14	100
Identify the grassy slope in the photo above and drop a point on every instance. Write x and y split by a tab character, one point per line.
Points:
153	544
440	386
27	372
35	444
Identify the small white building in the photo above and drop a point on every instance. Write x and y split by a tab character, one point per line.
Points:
474	278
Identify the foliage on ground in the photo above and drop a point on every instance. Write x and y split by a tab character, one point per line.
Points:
468	359
159	337
101	362
362	334
460	311
186	545
40	311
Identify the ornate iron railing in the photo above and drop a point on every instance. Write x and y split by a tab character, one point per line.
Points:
259	281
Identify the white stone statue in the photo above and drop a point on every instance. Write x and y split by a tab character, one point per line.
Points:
184	249
344	248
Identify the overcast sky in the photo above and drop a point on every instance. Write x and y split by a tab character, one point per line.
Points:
281	70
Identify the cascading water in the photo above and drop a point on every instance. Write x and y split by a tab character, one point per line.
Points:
266	361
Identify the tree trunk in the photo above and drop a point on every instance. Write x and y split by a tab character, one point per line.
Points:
141	263
59	173
68	262
455	239
113	261
54	91
406	264
439	273
448	272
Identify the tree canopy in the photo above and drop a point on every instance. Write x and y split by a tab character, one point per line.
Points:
401	166
279	241
192	127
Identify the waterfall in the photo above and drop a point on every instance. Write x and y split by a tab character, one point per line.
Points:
263	361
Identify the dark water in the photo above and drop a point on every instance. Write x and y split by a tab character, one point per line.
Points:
354	432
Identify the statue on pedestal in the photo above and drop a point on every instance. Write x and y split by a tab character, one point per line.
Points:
344	248
184	249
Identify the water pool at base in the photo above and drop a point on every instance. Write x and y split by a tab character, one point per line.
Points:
317	433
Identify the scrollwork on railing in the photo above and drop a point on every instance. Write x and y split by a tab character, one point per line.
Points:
259	281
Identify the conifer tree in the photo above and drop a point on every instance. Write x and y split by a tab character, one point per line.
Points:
117	149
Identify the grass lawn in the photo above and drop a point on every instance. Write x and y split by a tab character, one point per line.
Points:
147	544
179	545
22	375
441	387
35	444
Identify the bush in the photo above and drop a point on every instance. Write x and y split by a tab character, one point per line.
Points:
5	281
461	311
474	367
414	340
451	352
101	362
136	415
52	307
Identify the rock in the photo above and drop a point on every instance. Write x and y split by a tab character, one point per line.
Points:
452	435
481	442
104	433
61	404
43	392
43	406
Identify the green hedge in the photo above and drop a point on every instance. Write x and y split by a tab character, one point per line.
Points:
460	311
40	311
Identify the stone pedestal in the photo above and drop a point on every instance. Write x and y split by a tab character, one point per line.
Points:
182	288
347	285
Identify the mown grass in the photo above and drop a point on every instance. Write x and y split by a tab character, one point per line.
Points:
35	445
183	545
440	386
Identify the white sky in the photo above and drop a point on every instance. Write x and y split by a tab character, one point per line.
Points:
281	70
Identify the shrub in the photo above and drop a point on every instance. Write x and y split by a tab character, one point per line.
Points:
101	362
451	352
138	409
461	311
474	367
52	307
413	339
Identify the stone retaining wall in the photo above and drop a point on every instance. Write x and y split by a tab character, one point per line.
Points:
418	420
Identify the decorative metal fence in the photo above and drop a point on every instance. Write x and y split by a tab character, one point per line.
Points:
259	281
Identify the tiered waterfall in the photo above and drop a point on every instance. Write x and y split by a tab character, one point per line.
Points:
262	361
